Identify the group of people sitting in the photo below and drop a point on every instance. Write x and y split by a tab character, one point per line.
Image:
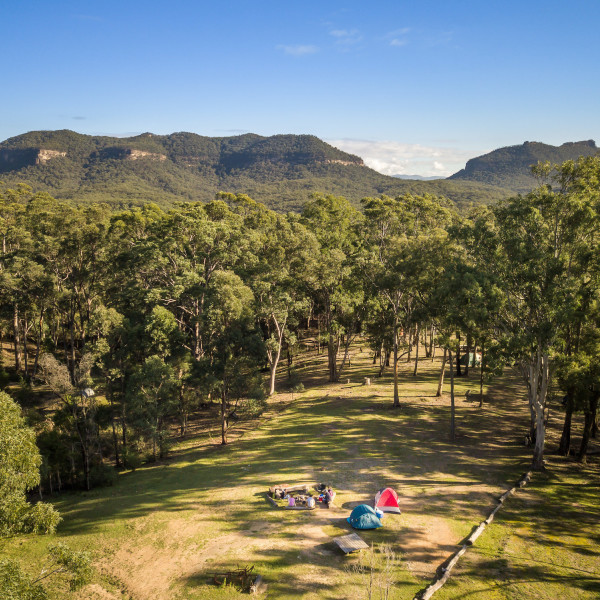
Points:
300	496
326	497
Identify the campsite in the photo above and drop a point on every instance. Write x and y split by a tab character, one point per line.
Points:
161	531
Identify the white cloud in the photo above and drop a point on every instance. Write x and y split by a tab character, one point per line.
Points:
341	33
298	50
397	32
346	37
397	37
395	158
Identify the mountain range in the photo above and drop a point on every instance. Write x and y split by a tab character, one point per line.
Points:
282	171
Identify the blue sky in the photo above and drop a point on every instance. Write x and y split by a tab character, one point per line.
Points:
412	87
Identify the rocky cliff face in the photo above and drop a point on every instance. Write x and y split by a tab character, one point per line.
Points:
18	158
137	154
43	156
358	163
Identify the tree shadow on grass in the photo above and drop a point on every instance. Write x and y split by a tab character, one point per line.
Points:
519	573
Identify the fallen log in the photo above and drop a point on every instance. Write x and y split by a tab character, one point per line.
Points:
525	479
506	495
454	560
471	539
493	514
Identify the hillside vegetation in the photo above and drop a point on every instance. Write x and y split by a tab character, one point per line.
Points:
510	167
281	171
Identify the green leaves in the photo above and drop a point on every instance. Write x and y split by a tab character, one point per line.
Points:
19	472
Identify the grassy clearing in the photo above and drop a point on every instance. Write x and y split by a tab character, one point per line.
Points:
161	530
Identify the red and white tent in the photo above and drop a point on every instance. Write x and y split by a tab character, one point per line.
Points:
387	501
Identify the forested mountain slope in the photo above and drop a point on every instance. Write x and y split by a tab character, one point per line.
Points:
281	171
510	167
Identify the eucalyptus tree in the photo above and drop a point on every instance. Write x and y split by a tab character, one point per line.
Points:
152	399
405	249
234	349
70	245
14	262
280	274
337	289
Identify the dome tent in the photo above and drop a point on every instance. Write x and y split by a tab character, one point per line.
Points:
387	501
364	517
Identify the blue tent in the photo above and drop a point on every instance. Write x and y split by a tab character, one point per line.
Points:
364	517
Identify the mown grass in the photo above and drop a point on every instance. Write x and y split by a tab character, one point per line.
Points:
160	531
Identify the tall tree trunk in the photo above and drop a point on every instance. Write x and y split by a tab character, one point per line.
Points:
123	420
85	456
384	361
417	335
441	379
458	370
319	335
72	352
17	338
332	350
564	447
469	341
154	446
396	394
223	416
481	371
348	341
25	353
432	343
452	405
114	428
589	416
274	357
38	345
538	380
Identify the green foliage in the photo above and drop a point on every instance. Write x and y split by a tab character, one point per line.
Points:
69	567
19	472
74	566
152	400
16	585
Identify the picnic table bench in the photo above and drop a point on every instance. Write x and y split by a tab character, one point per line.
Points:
350	543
